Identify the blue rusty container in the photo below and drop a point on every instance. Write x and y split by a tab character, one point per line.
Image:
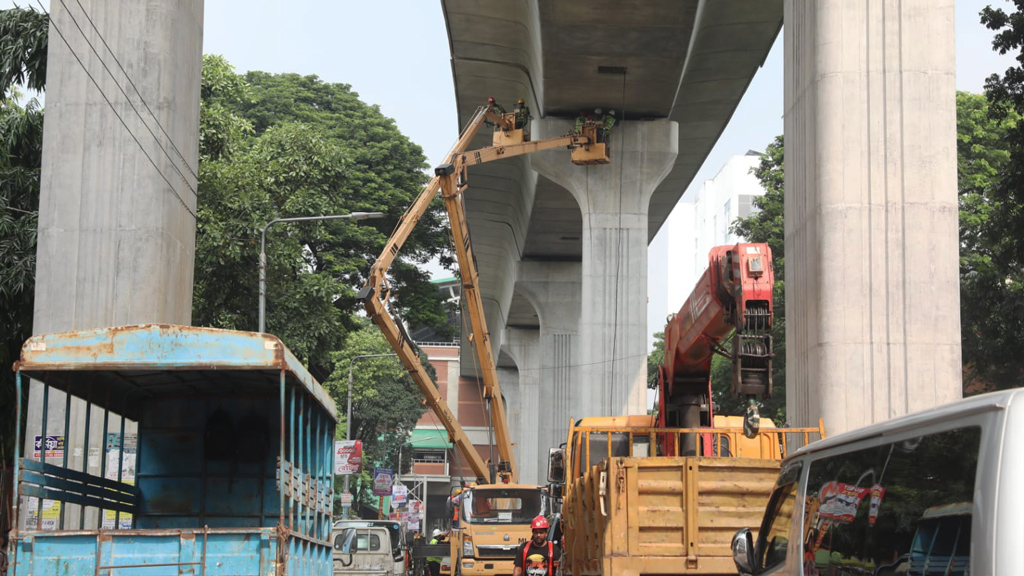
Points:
230	474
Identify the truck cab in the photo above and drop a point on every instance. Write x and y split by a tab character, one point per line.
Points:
363	551
493	520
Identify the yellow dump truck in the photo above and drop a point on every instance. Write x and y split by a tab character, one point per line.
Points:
627	511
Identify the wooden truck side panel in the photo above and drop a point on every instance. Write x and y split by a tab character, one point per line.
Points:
634	516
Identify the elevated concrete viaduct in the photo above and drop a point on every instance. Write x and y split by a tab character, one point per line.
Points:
871	237
873	329
562	249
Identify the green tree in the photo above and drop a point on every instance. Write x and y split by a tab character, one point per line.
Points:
23	34
765	225
278	146
385	403
988	287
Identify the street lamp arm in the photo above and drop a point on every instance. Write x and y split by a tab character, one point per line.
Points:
263	251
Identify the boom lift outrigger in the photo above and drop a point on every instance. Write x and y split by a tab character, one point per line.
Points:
451	180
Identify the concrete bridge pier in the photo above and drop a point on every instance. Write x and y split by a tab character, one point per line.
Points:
614	200
554	289
116	235
872	271
522	389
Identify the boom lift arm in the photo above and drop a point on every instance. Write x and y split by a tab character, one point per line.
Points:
733	296
451	179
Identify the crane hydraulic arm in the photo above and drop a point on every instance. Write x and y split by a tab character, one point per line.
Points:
451	180
733	296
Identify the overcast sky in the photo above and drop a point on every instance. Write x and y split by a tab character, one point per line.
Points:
395	54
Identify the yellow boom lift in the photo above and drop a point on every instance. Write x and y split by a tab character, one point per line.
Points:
490	520
450	179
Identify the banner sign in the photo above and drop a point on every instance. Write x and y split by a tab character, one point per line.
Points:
839	501
399	495
54	446
383	478
877	493
348	456
346	498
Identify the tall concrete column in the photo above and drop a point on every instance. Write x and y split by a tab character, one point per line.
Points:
116	235
614	199
523	392
554	289
872	284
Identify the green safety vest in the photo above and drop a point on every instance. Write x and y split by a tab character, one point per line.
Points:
433	558
609	121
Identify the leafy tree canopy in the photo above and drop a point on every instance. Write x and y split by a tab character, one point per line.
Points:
280	146
385	403
23	34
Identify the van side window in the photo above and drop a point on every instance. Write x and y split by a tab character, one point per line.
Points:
897	508
773	537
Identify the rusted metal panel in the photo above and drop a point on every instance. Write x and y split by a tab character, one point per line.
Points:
131	351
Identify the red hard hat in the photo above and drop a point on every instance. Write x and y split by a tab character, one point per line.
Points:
540	523
490	99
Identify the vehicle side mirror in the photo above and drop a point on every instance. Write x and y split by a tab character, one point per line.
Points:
743	551
556	466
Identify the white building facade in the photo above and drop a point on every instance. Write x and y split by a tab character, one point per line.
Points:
703	221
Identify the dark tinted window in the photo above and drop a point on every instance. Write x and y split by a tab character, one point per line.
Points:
773	538
900	508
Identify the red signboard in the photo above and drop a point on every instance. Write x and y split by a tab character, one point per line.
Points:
348	456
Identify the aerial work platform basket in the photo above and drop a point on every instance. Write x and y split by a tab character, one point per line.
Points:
594	152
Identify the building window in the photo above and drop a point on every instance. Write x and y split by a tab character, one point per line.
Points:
428	456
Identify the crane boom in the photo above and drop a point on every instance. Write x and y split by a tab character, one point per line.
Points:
734	295
451	180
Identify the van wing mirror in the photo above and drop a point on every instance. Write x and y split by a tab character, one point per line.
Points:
556	466
743	551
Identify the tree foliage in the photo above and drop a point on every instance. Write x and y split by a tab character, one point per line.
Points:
23	41
23	35
386	404
766	225
990	288
280	146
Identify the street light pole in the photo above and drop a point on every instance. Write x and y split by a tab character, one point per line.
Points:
263	251
348	409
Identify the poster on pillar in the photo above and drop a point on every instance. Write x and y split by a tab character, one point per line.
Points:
348	457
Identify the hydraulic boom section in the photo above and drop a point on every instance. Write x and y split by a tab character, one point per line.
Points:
733	297
451	180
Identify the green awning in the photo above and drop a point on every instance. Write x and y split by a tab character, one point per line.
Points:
430	438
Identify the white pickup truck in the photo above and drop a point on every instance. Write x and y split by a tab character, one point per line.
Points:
363	551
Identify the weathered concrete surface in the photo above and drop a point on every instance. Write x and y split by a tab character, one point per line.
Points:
116	234
687	61
872	285
614	200
553	289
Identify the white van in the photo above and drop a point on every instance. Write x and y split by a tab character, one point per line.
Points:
940	492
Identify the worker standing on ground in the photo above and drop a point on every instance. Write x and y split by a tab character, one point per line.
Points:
434	562
537	556
493	104
522	112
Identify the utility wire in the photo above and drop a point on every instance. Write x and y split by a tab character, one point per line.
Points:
144	103
128	99
114	110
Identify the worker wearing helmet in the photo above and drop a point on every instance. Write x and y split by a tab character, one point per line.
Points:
434	562
494	104
537	556
580	121
522	112
604	131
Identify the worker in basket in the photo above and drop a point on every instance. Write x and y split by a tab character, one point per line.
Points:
522	112
494	104
537	556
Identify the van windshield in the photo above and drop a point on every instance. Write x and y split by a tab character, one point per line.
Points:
394	531
502	506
